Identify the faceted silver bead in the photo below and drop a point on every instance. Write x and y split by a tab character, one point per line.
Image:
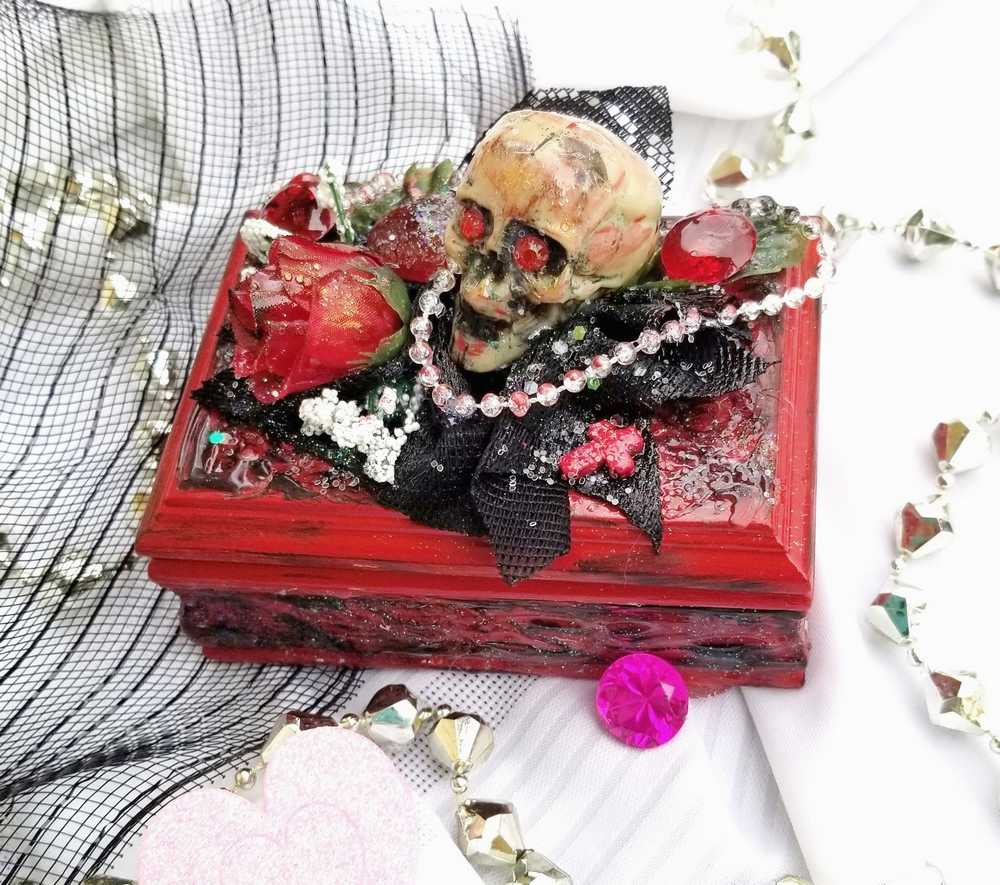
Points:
533	868
923	528
731	170
786	48
791	129
923	235
992	257
391	716
955	701
961	445
287	725
460	741
890	612
489	832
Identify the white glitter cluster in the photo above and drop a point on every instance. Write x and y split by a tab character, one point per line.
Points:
348	425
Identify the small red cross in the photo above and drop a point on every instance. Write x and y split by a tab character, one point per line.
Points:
610	446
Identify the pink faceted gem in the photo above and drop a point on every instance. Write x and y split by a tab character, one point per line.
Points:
642	700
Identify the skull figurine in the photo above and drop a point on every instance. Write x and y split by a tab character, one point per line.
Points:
552	212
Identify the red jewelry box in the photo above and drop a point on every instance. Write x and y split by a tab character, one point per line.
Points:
338	579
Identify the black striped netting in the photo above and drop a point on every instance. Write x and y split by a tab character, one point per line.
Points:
131	146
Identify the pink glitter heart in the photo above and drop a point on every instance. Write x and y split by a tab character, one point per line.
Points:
334	811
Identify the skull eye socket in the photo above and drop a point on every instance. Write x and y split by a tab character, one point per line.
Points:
473	222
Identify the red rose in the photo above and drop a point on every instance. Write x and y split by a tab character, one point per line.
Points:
315	313
302	207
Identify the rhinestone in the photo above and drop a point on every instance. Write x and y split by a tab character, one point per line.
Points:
889	613
731	170
992	257
442	394
600	366
692	320
463	406
491	405
533	868
625	353
791	129
391	716
460	741
429	376
443	280
772	304
672	332
923	235
961	445
813	287
420	327
955	701
519	403
489	832
787	49
750	309
548	394
790	215
922	529
728	314
421	352
574	380
430	303
649	341
795	297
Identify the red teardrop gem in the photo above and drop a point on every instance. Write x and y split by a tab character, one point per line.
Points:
708	247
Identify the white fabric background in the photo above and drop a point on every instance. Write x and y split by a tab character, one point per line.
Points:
870	789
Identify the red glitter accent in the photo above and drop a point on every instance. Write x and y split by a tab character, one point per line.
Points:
531	253
610	446
708	247
472	224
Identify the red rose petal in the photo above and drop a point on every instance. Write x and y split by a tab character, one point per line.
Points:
296	208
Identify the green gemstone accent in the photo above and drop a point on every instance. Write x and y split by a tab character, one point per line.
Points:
216	437
593	383
895	607
579	332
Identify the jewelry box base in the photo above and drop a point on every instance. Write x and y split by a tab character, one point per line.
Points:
714	648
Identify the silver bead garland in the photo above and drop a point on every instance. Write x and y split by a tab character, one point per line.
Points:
689	320
923	528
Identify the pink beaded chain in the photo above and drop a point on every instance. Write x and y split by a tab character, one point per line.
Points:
649	341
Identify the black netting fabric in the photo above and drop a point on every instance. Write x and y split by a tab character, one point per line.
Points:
132	145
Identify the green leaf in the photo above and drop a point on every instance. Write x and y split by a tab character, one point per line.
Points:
778	246
363	217
420	180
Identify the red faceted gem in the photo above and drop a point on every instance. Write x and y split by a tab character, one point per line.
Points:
410	238
708	247
472	224
296	208
531	253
